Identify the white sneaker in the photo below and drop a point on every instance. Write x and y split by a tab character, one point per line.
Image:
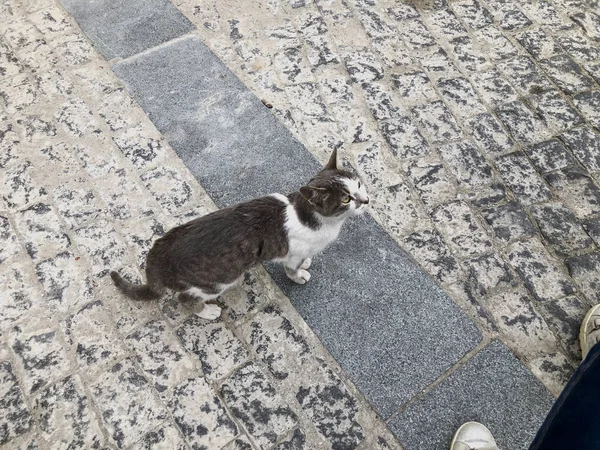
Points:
589	333
473	436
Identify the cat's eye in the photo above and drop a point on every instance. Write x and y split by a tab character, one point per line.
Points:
346	199
359	184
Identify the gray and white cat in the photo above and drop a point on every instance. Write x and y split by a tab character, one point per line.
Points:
204	257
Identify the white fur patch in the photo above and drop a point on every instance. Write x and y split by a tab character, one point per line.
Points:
356	189
210	312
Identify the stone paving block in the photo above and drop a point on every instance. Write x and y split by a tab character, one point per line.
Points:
92	335
332	409
122	195
102	244
77	119
20	295
396	209
497	44
577	190
546	15
589	104
383	105
19	190
211	429
522	179
40	354
169	188
592	227
376	25
219	351
577	46
127	404
554	369
538	43
296	442
567	75
555	111
402	11
435	61
19	94
142	146
255	289
488	133
460	96
9	64
508	15
524	75
488	273
404	138
493	89
469	58
473	13
415	34
467	163
159	354
483	385
120	30
520	325
16	418
164	438
523	124
77	203
9	243
560	228
584	270
509	222
589	22
363	66
549	156
414	87
274	339
73	50
437	122
540	272
429	249
458	225
256	404
66	417
594	70
293	66
565	316
445	24
488	195
392	52
432	181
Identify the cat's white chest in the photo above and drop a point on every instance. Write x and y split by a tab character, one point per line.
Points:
304	241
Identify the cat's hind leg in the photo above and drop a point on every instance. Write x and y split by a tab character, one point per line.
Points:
210	311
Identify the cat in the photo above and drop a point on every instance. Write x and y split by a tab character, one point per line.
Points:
206	256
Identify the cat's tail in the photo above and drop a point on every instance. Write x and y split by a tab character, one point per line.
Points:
136	291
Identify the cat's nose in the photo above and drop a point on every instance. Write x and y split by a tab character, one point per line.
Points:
366	201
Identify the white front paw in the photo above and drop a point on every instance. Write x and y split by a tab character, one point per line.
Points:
306	264
301	276
210	312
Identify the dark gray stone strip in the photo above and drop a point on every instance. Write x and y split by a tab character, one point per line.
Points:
391	328
120	29
493	388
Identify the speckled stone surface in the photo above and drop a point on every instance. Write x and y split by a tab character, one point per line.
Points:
119	30
492	388
470	114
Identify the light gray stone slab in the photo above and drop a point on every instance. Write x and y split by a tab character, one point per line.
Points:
493	388
120	29
391	328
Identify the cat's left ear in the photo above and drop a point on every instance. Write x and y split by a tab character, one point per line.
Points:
333	163
311	193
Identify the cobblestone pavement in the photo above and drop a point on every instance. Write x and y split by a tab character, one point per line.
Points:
475	124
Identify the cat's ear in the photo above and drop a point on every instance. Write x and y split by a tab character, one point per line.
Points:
333	163
311	194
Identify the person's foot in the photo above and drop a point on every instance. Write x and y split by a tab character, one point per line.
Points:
473	436
589	333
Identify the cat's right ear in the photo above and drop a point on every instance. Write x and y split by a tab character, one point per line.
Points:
310	193
333	163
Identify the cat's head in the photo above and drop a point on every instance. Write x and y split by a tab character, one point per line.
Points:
336	192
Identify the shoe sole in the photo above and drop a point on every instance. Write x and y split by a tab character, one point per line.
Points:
582	333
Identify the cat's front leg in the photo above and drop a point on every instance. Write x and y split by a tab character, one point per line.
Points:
306	263
295	270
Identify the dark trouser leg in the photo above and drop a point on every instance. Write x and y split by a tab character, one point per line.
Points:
574	420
